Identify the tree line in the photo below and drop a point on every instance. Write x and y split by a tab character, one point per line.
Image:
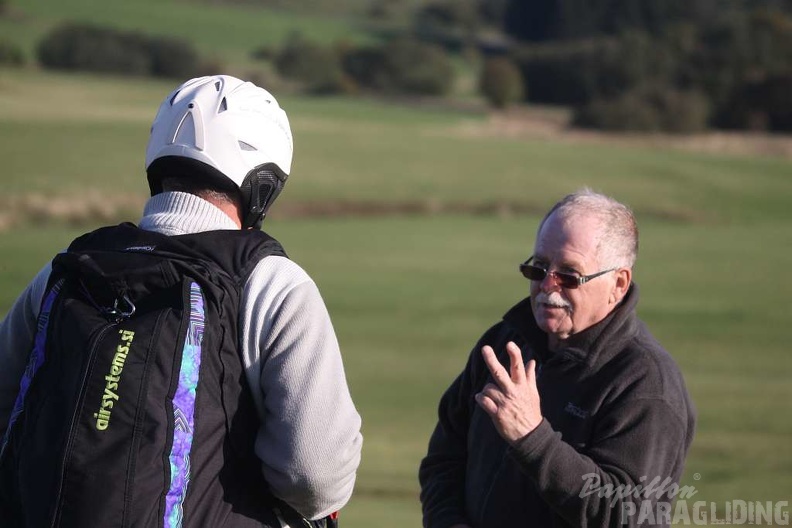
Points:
652	65
671	65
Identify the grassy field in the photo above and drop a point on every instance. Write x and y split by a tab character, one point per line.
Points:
219	31
410	294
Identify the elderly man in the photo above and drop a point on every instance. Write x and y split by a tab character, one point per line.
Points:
568	412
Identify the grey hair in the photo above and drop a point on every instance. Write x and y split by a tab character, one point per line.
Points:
618	239
203	189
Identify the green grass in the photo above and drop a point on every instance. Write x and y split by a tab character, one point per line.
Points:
409	296
410	312
94	130
226	31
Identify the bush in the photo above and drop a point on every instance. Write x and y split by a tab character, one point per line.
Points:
383	10
366	66
446	14
316	67
492	12
546	20
647	109
402	66
738	50
91	48
264	53
172	58
501	82
11	54
417	68
407	66
760	105
575	73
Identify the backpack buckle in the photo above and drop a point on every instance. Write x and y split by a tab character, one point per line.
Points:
117	313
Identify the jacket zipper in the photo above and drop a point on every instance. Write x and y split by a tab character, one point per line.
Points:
71	433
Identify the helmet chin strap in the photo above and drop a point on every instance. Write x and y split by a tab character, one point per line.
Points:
260	188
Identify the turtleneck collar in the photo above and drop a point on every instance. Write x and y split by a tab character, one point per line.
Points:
178	213
588	346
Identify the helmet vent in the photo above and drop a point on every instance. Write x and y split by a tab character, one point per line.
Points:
218	84
246	146
223	106
186	134
175	95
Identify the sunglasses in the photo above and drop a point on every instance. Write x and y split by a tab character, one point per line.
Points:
569	281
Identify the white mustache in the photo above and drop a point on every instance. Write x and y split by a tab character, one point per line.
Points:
554	299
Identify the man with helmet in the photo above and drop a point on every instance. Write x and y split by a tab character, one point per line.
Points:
219	153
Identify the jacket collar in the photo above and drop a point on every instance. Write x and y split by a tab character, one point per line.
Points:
596	343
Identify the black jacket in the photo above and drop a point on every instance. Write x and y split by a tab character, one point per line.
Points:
616	411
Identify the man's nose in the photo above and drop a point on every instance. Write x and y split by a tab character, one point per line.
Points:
549	283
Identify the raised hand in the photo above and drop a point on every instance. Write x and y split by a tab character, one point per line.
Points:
513	400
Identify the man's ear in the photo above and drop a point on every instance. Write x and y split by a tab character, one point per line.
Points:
622	284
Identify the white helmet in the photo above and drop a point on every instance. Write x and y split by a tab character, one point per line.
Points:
223	129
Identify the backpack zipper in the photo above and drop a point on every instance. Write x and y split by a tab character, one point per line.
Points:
71	433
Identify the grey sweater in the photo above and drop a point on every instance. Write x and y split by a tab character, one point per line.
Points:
309	438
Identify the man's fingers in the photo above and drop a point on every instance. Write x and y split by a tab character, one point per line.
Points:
530	372
517	365
492	392
496	369
486	403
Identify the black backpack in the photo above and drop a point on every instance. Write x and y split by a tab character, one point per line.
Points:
134	409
